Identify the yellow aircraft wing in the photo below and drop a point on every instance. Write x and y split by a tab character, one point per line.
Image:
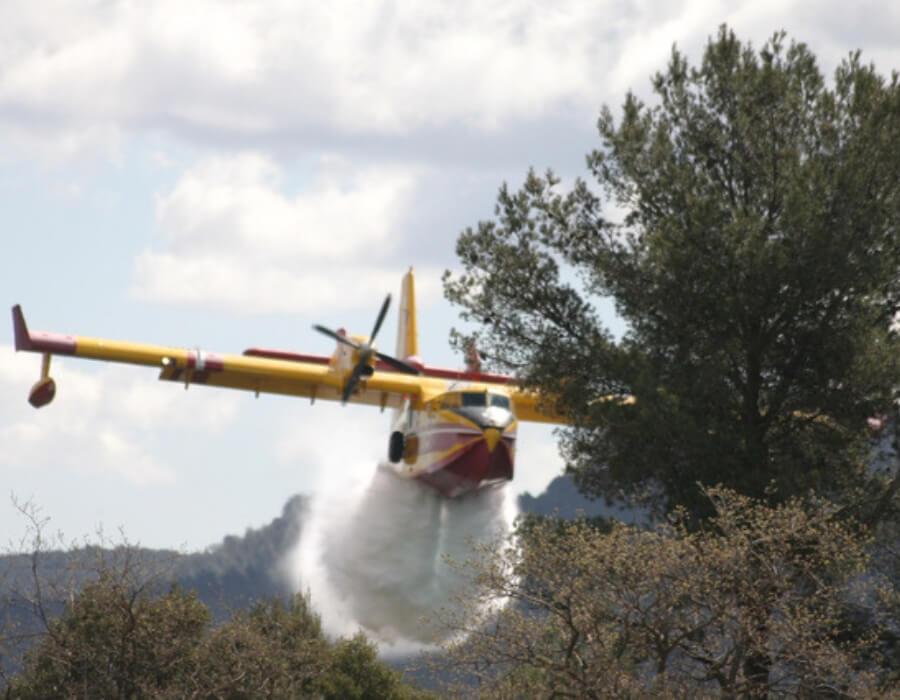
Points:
528	406
313	376
531	406
268	371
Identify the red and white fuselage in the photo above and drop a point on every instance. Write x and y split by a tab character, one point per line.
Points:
458	441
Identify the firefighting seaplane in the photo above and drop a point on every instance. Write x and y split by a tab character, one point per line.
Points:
454	430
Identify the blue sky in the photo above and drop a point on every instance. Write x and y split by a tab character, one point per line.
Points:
226	175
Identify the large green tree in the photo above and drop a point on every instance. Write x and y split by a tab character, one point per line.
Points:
745	224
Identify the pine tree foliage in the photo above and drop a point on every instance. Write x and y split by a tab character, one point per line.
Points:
746	226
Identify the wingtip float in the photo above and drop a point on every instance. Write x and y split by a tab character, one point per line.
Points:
454	430
48	344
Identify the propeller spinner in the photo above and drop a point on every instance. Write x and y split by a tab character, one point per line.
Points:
365	352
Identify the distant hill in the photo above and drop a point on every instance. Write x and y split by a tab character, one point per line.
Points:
562	499
238	570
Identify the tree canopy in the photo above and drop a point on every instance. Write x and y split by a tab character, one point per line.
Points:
763	601
127	633
746	227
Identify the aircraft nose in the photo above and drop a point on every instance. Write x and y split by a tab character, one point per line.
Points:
491	437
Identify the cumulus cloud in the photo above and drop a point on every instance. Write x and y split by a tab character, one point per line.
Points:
252	67
108	421
230	236
237	202
279	67
76	76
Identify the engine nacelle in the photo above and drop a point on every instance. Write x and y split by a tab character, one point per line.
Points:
42	392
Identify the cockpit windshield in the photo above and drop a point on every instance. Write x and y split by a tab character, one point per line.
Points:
500	400
474	398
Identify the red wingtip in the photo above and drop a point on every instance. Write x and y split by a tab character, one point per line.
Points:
23	338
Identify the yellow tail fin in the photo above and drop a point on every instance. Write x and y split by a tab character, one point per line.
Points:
407	338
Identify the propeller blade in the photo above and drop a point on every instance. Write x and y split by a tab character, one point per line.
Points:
366	351
352	382
381	315
337	336
397	364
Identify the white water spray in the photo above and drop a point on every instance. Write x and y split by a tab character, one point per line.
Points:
372	552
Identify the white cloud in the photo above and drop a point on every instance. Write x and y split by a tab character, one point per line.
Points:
55	144
102	422
232	238
79	75
237	203
273	67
